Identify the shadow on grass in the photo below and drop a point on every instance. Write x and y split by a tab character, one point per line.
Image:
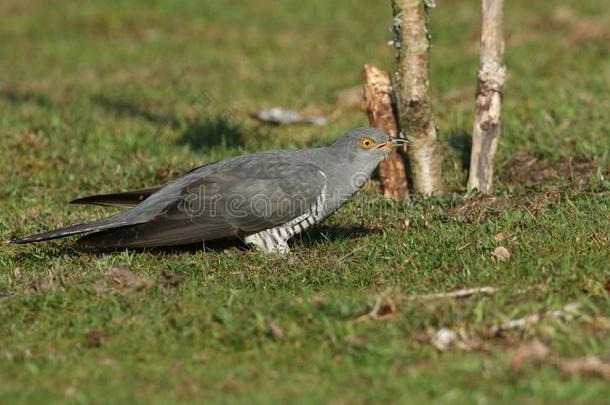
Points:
209	133
125	108
71	249
461	143
330	234
22	97
198	134
308	239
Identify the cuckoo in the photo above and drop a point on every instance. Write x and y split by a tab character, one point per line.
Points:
263	198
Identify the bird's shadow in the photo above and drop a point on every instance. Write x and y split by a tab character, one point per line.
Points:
329	234
308	239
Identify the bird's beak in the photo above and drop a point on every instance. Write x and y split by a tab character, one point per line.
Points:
393	143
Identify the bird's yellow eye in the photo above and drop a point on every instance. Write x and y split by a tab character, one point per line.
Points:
367	143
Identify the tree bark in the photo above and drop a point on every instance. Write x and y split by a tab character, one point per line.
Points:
490	86
380	109
412	44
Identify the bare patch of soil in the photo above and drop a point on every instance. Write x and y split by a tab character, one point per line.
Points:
95	338
483	207
581	30
122	280
525	169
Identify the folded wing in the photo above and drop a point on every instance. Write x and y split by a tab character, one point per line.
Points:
241	197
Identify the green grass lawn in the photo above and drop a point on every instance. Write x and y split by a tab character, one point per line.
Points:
99	96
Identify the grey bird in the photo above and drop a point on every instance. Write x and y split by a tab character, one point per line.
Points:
262	198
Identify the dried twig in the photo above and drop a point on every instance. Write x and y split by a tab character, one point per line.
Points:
567	311
386	303
453	294
384	307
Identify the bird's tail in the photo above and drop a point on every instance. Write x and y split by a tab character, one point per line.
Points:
121	200
115	221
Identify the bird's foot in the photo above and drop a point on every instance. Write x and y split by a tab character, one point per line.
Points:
280	249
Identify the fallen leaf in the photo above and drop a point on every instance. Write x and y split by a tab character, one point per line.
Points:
501	254
528	353
95	338
500	237
276	331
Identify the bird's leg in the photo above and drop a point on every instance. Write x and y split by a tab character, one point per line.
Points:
281	248
264	242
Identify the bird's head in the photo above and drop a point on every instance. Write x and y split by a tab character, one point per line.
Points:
367	145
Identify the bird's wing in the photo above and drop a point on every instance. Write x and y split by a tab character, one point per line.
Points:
240	197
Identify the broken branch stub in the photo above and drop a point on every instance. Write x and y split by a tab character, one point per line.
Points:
411	83
491	76
380	109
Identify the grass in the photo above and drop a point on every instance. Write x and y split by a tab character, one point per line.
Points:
105	96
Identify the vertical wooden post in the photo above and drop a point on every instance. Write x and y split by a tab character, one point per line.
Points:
411	84
488	106
380	109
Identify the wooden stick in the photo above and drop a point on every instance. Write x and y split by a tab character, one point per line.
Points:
387	302
453	294
380	109
412	45
490	85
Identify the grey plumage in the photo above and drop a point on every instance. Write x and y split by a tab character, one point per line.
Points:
263	198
